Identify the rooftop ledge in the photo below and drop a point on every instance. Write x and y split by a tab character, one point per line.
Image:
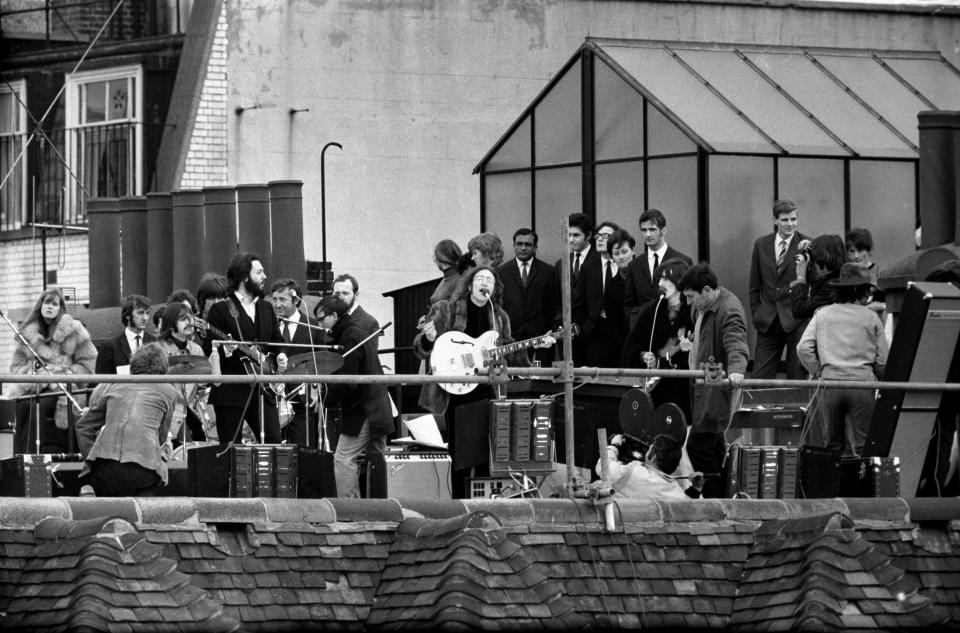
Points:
17	513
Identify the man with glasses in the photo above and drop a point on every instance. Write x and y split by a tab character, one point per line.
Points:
598	305
528	292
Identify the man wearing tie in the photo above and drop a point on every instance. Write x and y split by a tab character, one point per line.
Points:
640	288
528	292
579	236
598	305
135	314
772	268
294	328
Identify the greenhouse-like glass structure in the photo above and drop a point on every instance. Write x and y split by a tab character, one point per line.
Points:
712	134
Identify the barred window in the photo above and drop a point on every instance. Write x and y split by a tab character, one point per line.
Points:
13	172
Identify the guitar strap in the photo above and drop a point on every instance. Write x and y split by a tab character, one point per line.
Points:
232	308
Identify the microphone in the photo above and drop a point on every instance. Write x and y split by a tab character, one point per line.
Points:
296	298
485	292
661	291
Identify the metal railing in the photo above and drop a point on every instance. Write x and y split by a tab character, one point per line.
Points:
79	20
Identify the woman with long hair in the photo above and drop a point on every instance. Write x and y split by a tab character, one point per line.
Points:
64	347
446	256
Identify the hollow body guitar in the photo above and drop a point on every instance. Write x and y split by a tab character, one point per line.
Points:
458	354
255	362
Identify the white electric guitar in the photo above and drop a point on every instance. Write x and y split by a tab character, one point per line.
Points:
457	354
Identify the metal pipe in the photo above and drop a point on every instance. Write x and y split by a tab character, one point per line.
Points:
323	197
574	485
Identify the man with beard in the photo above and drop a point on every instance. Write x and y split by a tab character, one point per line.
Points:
366	417
295	328
116	353
243	316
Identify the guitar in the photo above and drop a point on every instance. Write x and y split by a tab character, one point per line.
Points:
255	362
457	354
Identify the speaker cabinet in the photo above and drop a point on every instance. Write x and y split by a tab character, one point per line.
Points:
924	349
409	475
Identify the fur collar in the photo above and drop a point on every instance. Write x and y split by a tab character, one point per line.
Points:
67	326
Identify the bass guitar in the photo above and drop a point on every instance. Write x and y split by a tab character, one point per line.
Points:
457	354
255	361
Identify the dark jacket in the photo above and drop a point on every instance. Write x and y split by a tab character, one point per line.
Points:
530	307
640	288
447	316
302	336
592	255
115	352
264	327
359	401
806	298
723	339
770	288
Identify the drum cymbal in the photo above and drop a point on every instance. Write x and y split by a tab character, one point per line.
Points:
636	411
303	364
188	365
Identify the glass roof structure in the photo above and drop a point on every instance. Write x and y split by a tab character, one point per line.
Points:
712	134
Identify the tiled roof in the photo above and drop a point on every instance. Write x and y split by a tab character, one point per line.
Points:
272	564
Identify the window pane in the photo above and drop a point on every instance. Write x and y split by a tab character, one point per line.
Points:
119	99
558	121
7	113
558	195
882	200
665	137
620	194
830	104
741	203
508	203
618	115
933	78
515	151
673	190
96	105
816	185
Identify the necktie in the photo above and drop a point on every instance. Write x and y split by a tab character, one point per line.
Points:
781	255
607	275
656	262
523	274
137	339
693	356
576	264
285	332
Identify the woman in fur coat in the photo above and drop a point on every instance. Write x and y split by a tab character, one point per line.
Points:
65	347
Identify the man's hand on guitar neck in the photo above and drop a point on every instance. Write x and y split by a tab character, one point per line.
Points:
548	341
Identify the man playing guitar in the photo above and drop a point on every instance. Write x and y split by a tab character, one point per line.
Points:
245	316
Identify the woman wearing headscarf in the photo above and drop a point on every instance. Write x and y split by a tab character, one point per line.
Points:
64	347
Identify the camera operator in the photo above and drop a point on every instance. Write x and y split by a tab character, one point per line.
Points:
819	261
640	472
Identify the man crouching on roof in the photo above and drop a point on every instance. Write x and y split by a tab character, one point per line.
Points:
636	476
123	433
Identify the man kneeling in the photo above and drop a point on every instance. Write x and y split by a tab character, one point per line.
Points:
636	476
123	433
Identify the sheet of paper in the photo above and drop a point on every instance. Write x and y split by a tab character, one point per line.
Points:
424	430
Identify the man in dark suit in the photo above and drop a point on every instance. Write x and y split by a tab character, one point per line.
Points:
245	316
772	268
135	315
368	418
579	237
528	292
299	329
640	287
598	305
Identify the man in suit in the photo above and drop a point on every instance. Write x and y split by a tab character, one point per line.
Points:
299	329
598	305
640	287
528	292
579	236
245	316
366	411
116	353
772	268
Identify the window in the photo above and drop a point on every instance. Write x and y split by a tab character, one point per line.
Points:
104	136
13	172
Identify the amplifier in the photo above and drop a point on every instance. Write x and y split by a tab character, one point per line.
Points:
819	473
257	470
263	470
8	414
870	477
769	426
762	472
30	475
521	436
409	475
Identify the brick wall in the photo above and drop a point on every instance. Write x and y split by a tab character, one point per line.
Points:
206	162
23	266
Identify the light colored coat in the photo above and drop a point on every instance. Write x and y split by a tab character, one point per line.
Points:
68	350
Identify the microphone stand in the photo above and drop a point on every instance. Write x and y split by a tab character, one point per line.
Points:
39	363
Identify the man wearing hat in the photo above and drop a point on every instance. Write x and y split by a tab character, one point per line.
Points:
771	271
845	341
